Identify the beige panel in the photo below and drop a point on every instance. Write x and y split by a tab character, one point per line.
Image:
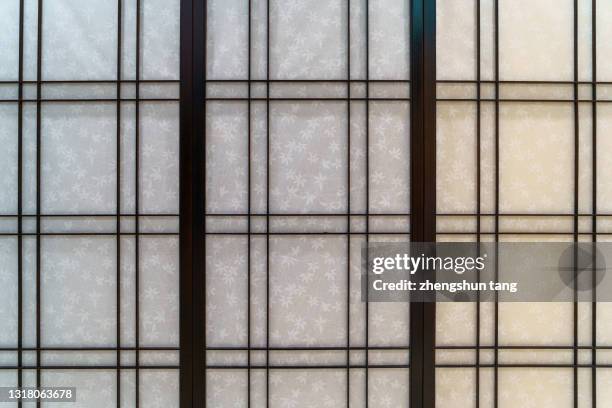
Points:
536	157
456	39
536	40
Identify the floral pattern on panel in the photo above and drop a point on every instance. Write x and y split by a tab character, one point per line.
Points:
78	291
78	158
307	39
308	158
307	282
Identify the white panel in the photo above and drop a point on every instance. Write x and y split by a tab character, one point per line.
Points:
94	388
78	40
308	39
357	305
128	291
128	158
226	157
585	40
300	389
29	292
78	289
8	291
389	388
78	158
456	157
536	157
162	388
9	48
389	173
389	322
160	39
29	158
308	158
358	154
259	158
159	291
307	291
227	39
8	158
226	291
389	36
159	173
227	388
455	39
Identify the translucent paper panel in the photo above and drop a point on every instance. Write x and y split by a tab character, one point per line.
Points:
159	296
390	170
164	386
77	42
308	158
301	171
389	39
604	167
456	39
160	39
536	158
604	48
78	157
527	386
159	161
516	162
227	45
309	39
543	48
9	29
89	199
8	307
78	294
455	387
319	387
8	158
95	388
390	387
226	278
456	158
300	387
308	291
226	154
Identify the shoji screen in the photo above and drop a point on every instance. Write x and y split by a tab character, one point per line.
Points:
522	142
307	138
89	199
